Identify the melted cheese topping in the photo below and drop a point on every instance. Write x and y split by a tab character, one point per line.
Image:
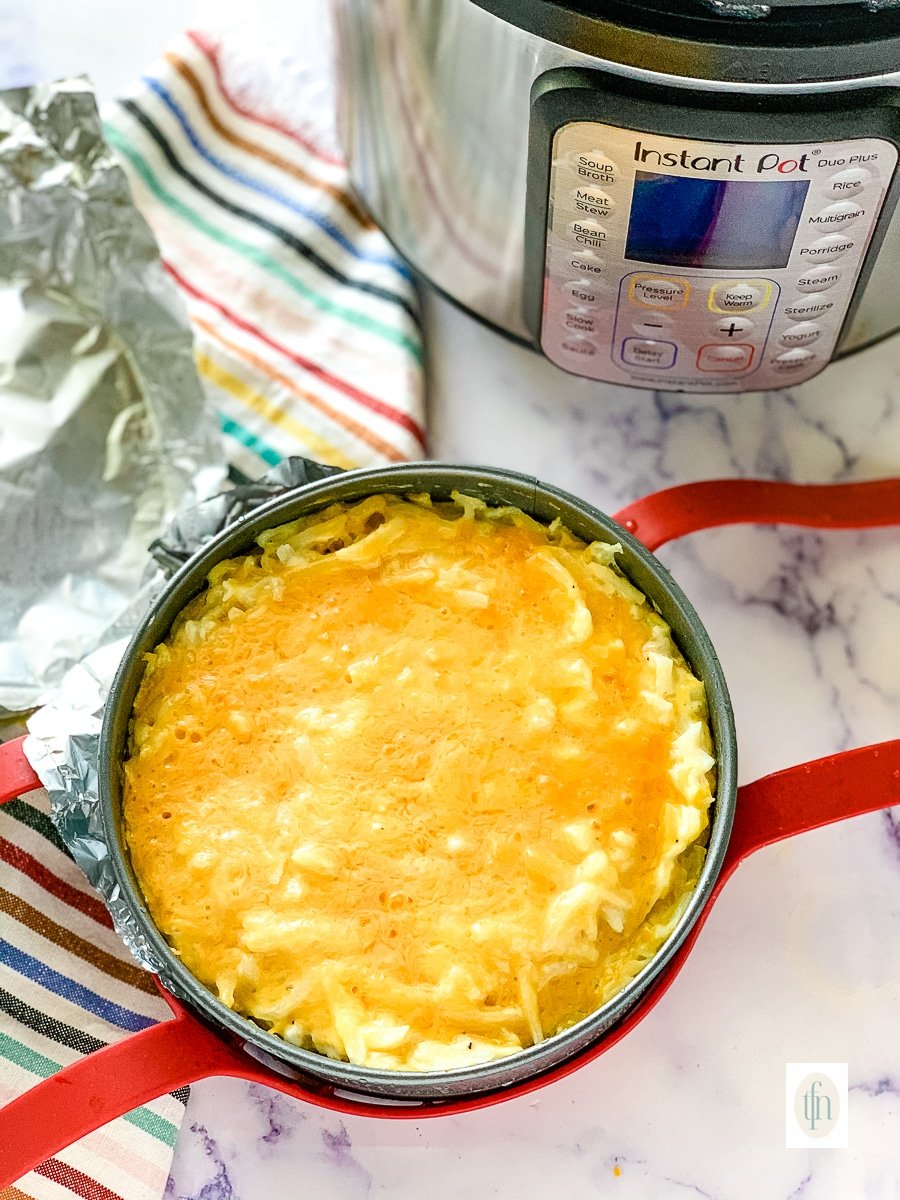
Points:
418	785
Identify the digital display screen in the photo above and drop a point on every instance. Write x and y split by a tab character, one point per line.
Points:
738	224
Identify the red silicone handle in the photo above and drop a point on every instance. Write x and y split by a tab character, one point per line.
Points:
672	513
16	775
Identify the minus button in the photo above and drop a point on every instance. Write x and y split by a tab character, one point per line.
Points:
653	326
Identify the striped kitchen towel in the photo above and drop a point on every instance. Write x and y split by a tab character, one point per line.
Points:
308	341
60	965
306	322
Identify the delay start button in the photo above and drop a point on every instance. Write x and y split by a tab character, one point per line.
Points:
659	291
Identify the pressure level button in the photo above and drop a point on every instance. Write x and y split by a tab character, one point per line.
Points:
659	291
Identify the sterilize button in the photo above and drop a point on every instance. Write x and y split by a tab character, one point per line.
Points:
734	329
832	245
815	305
643	352
582	291
819	279
580	320
588	233
793	360
653	291
578	346
842	213
739	297
801	334
847	183
713	357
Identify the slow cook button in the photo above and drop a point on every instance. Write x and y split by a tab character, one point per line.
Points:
832	245
580	320
815	305
578	347
715	357
651	291
588	233
818	279
793	360
801	334
592	200
844	212
642	352
847	183
582	291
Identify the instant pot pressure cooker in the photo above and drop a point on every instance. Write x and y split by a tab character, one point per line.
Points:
690	195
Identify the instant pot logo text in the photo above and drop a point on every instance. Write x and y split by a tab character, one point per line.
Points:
769	163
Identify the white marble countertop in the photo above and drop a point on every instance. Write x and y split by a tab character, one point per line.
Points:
800	960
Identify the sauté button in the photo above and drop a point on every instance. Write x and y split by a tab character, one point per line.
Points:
661	291
734	329
582	291
739	296
801	334
793	360
844	212
588	233
643	352
832	245
818	279
715	357
578	346
847	183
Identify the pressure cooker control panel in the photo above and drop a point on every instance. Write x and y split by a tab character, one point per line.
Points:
704	266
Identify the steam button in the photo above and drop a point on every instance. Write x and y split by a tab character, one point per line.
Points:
819	279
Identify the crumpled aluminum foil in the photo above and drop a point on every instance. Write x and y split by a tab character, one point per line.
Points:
64	742
103	427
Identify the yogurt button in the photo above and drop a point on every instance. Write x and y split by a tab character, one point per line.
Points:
818	279
801	334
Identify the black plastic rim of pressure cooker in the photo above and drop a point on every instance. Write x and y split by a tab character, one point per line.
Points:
777	42
494	486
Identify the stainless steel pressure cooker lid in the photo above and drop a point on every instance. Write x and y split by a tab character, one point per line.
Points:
781	41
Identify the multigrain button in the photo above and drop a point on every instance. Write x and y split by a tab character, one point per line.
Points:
643	352
734	329
815	305
582	291
818	279
739	296
847	183
832	245
578	347
580	320
794	360
801	334
844	212
659	291
588	233
714	357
